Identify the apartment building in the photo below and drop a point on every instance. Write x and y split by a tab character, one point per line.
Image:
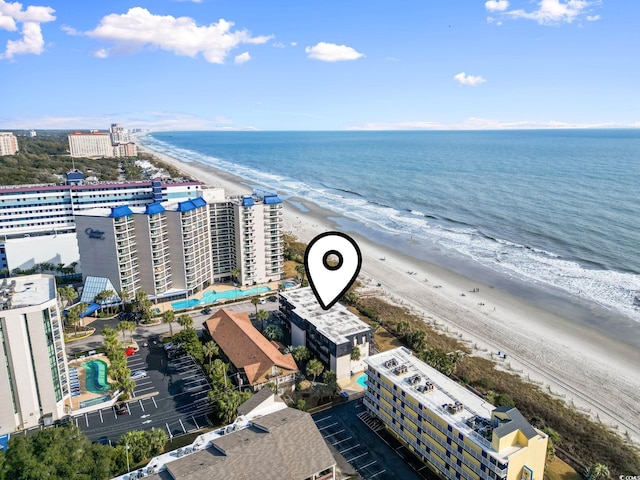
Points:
331	335
457	434
8	144
34	381
247	236
163	249
94	144
28	212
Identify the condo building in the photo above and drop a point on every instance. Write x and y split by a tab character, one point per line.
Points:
163	249
456	433
28	212
94	144
8	144
331	335
34	383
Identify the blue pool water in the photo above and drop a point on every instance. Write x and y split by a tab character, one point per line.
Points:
289	284
212	297
361	379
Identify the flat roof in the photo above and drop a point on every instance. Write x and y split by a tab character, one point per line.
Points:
28	290
336	323
445	392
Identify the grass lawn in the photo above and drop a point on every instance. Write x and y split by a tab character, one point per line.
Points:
559	470
290	269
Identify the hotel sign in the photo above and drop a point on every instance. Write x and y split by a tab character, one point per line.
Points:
91	233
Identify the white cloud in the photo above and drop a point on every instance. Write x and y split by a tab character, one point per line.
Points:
471	80
242	58
593	18
293	44
100	53
496	5
492	20
330	52
551	12
70	30
32	41
182	36
278	45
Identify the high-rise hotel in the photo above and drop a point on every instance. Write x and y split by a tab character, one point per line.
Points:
456	433
34	381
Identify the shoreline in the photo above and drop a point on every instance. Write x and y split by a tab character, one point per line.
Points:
573	358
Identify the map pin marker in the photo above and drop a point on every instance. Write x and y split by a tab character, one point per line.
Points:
330	282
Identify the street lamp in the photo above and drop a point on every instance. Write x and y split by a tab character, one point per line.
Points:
127	450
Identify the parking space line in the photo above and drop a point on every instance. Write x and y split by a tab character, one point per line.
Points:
359	456
323	419
115	415
191	389
379	473
333	424
138	390
169	431
194	421
154	402
101	419
182	425
191	376
128	409
334	434
86	419
368	465
343	440
350	448
77	423
141	405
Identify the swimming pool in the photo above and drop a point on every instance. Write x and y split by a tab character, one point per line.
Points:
96	376
212	296
361	379
289	284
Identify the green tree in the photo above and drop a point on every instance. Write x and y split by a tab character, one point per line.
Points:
273	332
402	328
301	404
300	270
227	402
68	294
210	350
355	353
314	368
125	296
138	444
554	439
598	472
185	321
330	379
300	353
235	274
255	301
73	315
261	316
417	340
122	327
169	317
157	441
126	385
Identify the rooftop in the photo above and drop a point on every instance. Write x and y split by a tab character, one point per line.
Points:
18	292
452	402
336	323
247	348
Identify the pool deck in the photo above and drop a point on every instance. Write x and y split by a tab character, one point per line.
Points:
351	385
82	378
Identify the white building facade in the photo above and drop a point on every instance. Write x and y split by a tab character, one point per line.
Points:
8	144
34	381
95	144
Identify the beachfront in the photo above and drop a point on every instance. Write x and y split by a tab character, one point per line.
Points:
569	359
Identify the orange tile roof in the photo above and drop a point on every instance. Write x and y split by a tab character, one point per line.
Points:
245	346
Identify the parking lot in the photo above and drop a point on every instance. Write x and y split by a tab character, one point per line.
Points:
172	396
359	445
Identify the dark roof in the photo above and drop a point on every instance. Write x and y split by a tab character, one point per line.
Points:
255	400
516	422
284	445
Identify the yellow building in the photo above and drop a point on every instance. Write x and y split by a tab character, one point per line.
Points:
456	433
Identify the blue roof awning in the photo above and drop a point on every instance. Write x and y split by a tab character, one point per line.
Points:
271	199
90	309
123	211
199	202
4	441
247	202
154	208
186	206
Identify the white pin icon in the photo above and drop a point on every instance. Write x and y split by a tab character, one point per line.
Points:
329	282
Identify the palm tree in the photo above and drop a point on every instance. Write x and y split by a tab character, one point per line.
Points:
73	315
300	353
185	321
125	296
126	385
157	440
273	332
302	272
598	472
315	368
255	301
122	327
68	294
131	327
234	275
210	350
262	315
108	295
227	404
355	353
169	317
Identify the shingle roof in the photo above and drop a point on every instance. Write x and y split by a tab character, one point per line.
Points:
257	399
516	422
284	445
245	346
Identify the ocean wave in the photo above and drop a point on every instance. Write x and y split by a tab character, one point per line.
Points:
608	288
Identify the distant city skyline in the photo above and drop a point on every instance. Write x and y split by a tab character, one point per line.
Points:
224	65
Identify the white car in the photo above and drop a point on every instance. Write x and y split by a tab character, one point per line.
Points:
138	374
263	301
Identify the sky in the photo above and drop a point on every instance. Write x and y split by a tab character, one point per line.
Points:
319	64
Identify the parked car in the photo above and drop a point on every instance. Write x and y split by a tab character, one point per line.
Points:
121	408
273	298
263	301
138	374
168	346
103	441
129	351
206	311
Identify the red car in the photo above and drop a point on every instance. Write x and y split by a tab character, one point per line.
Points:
129	351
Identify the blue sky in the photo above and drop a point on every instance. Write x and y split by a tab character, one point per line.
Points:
319	65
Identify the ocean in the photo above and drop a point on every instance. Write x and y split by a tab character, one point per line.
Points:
556	208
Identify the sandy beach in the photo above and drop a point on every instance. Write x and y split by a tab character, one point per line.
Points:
594	369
